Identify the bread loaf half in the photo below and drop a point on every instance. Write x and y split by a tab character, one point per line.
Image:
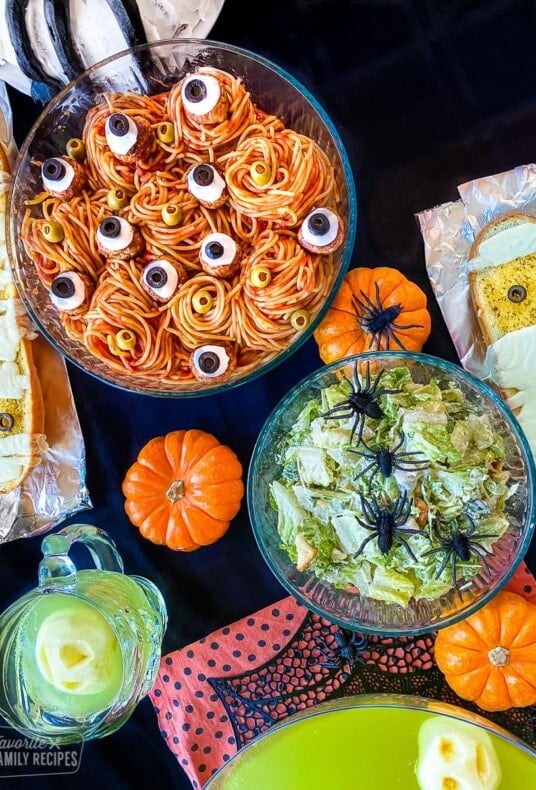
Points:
22	415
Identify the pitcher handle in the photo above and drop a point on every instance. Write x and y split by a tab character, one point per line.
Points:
57	569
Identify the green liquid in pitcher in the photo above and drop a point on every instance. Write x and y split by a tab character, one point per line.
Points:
353	749
71	659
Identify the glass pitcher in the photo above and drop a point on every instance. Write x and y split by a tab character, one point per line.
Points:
79	651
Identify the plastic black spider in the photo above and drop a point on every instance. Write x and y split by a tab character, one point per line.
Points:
385	460
459	544
362	401
380	322
350	646
386	522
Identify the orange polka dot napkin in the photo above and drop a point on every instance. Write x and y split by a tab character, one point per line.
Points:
216	695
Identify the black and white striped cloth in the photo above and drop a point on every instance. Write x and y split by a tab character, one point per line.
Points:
46	43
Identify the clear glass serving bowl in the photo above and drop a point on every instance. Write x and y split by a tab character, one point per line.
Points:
369	740
151	69
347	607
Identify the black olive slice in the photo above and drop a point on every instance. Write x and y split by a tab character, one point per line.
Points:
195	90
157	277
6	421
110	227
214	250
517	293
203	175
318	223
63	287
118	124
208	362
53	169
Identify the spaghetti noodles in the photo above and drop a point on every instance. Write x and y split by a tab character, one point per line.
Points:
274	176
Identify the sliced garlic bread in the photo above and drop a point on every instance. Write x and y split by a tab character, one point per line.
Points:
22	415
502	276
502	279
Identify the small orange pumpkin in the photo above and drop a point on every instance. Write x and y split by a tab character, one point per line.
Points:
184	489
490	657
374	310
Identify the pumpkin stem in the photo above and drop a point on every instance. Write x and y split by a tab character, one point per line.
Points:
175	491
499	656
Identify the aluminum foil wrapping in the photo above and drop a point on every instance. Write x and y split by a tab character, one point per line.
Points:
448	232
55	488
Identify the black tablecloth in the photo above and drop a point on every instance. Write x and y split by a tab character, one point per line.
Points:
426	94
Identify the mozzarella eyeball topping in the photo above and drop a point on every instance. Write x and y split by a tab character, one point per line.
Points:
161	279
200	94
67	291
320	228
57	174
218	249
211	361
205	183
121	133
115	234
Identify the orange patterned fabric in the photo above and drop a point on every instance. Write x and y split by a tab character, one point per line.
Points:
215	696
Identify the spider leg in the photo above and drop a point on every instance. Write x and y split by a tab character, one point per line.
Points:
371	528
369	510
409	453
402	508
337	408
432	551
399	444
417	466
364	543
405	326
481	551
476	543
407	531
358	427
453	570
368	452
373	475
354	383
372	390
403	542
448	554
366	469
472	525
391	335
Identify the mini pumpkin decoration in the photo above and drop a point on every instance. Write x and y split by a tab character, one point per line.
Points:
374	310
490	657
184	489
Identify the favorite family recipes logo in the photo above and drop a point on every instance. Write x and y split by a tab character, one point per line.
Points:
23	756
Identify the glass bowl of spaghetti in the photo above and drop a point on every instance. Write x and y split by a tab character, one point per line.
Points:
181	216
392	493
